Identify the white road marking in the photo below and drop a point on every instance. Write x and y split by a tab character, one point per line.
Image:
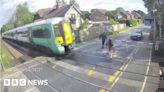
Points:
147	71
134	51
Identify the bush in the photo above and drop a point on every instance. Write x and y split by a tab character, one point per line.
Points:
84	25
140	21
127	22
133	22
112	22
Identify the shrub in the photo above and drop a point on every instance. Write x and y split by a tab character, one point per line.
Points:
112	22
133	22
127	22
84	25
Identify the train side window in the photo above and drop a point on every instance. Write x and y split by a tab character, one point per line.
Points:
41	33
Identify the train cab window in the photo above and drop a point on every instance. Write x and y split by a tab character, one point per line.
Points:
57	29
41	33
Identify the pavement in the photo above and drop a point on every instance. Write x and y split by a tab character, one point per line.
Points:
89	69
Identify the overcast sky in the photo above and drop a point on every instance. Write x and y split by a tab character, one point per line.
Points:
8	6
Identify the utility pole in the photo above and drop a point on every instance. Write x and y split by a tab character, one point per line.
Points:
154	33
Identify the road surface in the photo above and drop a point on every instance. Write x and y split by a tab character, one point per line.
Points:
89	69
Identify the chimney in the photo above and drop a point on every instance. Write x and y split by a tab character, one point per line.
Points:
58	4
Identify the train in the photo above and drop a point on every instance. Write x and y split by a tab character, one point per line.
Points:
55	35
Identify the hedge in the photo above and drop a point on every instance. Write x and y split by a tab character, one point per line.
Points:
132	22
112	22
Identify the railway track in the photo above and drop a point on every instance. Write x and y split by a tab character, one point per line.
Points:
27	67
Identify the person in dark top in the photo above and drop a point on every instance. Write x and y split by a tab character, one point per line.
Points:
111	48
103	37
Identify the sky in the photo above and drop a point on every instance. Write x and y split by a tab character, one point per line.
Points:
9	6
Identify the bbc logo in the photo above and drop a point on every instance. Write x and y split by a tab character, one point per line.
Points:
14	82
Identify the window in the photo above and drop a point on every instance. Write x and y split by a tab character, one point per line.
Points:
72	16
58	29
41	33
22	32
73	19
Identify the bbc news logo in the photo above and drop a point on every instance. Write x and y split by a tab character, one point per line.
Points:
24	82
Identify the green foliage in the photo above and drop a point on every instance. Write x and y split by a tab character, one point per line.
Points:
84	25
72	1
8	26
112	22
155	8
133	22
86	15
5	59
22	16
127	22
112	15
141	13
119	9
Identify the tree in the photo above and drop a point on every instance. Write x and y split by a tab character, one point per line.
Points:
112	15
119	9
72	1
21	17
141	13
156	9
86	15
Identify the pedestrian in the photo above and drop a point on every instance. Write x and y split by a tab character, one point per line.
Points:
111	48
103	37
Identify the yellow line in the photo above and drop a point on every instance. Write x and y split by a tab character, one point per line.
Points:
111	78
91	71
102	90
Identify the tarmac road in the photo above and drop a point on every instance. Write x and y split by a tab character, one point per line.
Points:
89	69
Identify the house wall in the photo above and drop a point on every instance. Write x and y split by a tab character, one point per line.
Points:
78	21
98	16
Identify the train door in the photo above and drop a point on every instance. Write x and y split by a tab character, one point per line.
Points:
64	34
58	34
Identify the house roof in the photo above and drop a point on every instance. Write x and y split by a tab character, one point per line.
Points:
58	12
124	13
136	14
53	12
103	11
43	12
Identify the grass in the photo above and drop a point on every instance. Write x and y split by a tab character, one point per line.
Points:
5	59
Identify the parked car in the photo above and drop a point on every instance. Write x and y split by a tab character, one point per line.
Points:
136	35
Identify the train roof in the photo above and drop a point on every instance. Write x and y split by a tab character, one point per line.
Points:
52	20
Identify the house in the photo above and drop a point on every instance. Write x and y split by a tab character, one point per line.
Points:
98	15
41	13
125	15
69	12
130	14
136	15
